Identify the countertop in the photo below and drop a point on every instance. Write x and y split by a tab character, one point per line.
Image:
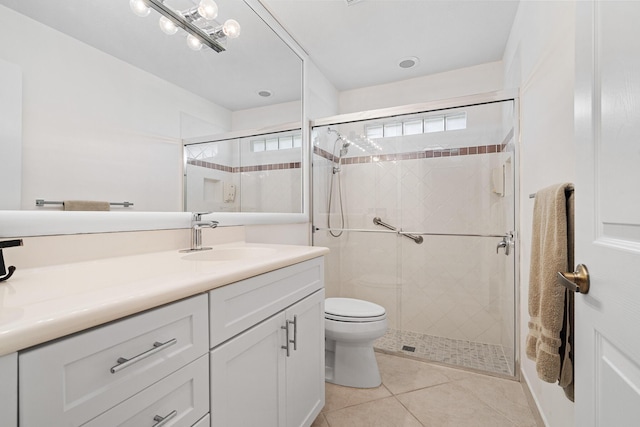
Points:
41	304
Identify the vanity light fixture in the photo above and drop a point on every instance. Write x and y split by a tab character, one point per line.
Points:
207	32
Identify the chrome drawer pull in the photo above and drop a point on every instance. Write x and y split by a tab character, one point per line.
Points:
286	347
160	421
295	332
157	347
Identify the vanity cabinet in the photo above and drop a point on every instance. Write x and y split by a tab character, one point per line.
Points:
267	361
250	353
181	399
71	381
9	389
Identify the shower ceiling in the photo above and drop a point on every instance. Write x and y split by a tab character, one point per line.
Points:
361	45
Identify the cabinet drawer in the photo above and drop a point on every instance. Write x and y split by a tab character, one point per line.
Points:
235	308
70	381
181	400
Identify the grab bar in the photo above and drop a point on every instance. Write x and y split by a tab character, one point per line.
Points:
378	221
423	233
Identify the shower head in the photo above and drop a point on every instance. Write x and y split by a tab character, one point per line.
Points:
345	142
340	136
345	148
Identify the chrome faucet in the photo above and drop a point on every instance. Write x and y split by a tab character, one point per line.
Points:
197	224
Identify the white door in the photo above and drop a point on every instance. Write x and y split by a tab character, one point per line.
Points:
607	111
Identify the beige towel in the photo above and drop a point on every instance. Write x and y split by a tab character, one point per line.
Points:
85	205
549	255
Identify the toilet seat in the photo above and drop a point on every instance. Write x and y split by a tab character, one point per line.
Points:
353	310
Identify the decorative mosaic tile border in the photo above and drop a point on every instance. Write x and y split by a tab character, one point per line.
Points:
469	354
423	154
240	169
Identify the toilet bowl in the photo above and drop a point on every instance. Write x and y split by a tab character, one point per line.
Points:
351	327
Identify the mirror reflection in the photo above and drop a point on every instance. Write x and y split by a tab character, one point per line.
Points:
257	173
97	100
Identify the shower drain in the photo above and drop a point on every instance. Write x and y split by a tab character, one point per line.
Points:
408	348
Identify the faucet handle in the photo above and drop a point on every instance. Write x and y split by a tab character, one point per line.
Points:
197	216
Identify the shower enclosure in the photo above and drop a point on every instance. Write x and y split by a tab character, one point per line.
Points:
419	212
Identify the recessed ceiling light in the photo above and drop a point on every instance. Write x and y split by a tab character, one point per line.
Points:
408	62
265	93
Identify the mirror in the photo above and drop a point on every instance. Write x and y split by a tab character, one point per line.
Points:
256	172
96	101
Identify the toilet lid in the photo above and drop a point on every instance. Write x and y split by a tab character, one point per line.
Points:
346	309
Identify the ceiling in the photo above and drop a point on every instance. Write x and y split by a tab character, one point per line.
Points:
354	46
257	60
360	44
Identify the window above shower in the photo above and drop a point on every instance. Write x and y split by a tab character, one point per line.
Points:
417	126
277	143
470	129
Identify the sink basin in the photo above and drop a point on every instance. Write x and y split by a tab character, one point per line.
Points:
229	254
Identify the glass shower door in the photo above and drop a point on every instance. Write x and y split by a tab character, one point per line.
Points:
420	206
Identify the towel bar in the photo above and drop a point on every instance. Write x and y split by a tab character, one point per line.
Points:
42	202
533	195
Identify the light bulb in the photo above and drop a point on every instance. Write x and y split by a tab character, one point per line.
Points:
208	9
231	28
167	26
139	7
193	42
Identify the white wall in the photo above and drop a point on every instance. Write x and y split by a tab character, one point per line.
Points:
465	81
321	95
261	117
539	59
10	134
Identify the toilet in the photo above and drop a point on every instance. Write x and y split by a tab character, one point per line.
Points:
351	327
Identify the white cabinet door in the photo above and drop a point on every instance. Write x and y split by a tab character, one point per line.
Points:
9	390
607	344
248	378
305	364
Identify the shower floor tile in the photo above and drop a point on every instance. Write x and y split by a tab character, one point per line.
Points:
468	354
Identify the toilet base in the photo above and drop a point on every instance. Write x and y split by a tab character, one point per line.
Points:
351	364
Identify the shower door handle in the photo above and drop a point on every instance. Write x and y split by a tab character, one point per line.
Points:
505	243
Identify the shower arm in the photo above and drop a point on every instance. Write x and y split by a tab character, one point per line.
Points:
417	239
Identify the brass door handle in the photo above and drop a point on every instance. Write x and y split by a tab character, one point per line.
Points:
578	281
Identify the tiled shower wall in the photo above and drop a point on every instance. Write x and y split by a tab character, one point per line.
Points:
265	181
448	286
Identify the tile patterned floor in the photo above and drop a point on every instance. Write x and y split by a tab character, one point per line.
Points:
468	354
419	394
